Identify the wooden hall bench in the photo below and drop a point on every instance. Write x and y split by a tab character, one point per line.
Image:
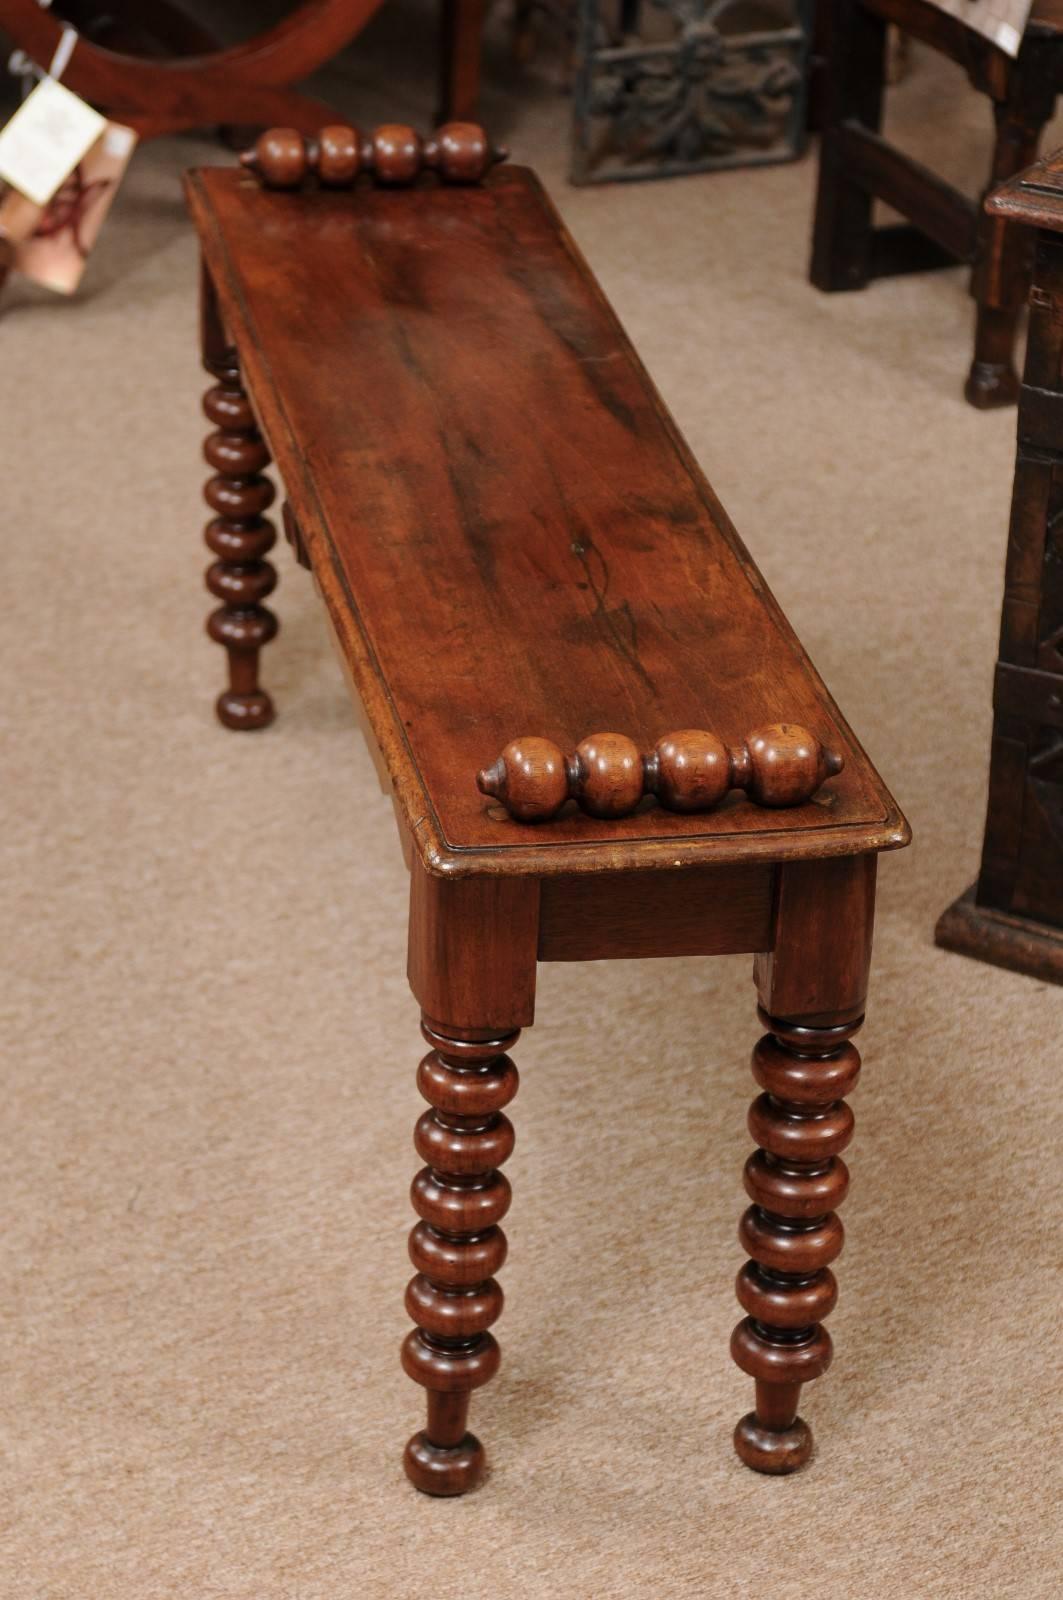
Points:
515	548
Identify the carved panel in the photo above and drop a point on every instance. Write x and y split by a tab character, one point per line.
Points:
1022	861
673	86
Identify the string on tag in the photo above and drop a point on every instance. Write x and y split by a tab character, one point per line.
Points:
23	66
63	51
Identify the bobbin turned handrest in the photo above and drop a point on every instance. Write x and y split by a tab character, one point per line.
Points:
785	765
530	778
690	770
460	152
780	765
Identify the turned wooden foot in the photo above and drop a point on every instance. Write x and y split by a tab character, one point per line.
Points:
773	1438
239	535
993	380
795	1180
457	1246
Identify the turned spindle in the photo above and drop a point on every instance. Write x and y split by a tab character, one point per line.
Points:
457	1247
393	154
791	1232
780	765
239	536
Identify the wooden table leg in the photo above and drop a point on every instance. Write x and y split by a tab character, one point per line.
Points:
238	535
812	988
472	963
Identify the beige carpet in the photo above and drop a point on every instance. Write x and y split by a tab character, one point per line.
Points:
209	1046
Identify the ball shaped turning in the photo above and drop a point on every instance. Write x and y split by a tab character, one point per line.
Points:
776	1451
693	770
396	153
463	154
530	779
610	775
787	764
279	157
339	155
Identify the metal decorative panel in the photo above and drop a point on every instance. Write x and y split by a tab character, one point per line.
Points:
673	86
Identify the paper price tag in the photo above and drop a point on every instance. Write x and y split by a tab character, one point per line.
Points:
52	243
46	138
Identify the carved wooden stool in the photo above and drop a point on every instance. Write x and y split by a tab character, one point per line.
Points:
514	547
945	227
1013	915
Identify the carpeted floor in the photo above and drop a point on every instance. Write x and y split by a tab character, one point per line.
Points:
209	1045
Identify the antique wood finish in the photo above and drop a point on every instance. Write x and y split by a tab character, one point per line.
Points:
238	535
419	518
692	770
697	911
811	1004
507	531
472	950
246	83
457	1246
392	154
858	166
1013	916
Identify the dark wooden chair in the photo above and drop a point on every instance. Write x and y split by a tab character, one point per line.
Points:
510	538
945	227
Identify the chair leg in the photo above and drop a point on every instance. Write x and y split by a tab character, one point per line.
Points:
816	979
853	82
1000	281
461	39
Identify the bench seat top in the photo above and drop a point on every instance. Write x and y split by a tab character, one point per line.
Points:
508	531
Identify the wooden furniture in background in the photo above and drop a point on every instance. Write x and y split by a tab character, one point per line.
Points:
1013	915
671	88
196	83
507	531
944	226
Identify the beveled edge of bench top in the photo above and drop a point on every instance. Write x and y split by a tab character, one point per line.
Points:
558	857
535	853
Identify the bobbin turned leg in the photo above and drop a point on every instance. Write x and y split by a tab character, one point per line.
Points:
816	975
457	1247
472	955
239	535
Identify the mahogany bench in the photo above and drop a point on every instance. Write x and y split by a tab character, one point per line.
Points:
515	548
